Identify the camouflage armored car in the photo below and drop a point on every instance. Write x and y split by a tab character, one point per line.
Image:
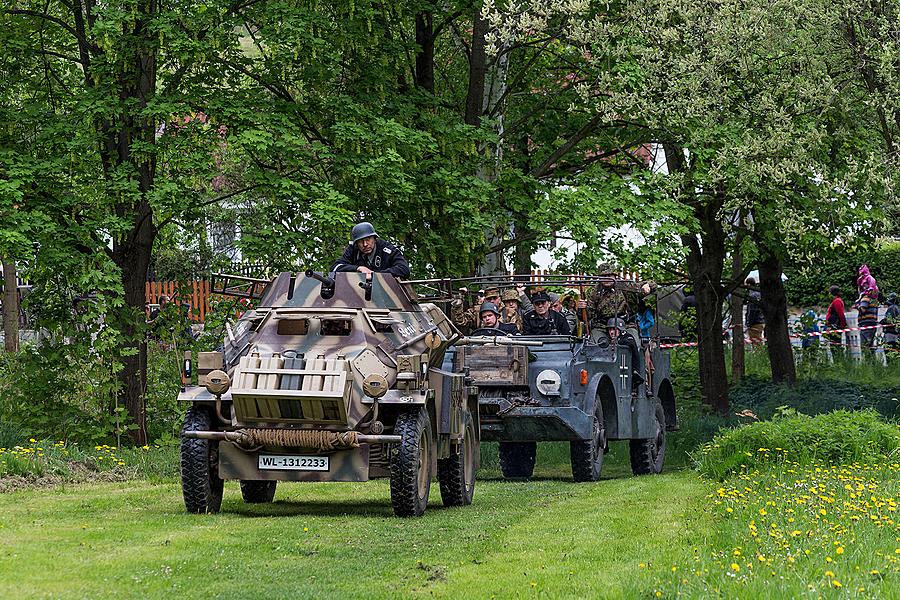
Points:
331	379
573	389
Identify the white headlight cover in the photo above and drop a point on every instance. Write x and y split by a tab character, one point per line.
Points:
548	382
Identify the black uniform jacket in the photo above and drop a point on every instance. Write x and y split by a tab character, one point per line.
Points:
387	259
555	324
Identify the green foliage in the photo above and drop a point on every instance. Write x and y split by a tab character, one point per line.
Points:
837	438
36	461
819	395
807	284
56	392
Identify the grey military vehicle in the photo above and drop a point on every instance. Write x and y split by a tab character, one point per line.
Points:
569	389
331	379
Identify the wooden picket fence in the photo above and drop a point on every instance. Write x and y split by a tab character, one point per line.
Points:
196	295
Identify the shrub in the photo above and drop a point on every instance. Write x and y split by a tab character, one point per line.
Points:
836	438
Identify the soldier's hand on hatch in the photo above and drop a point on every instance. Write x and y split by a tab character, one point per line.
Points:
645	289
520	287
364	270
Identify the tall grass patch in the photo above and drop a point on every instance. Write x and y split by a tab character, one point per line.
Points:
836	438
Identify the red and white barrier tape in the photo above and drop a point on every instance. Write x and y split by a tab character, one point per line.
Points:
796	336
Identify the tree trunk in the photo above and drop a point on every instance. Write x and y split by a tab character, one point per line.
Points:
10	307
774	307
477	70
706	262
132	251
425	55
705	269
737	320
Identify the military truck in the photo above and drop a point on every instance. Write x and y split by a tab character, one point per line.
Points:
571	388
330	378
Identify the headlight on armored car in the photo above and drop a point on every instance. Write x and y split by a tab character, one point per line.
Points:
548	382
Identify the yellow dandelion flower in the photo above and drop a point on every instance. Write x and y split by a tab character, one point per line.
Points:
829	574
836	583
839	550
735	567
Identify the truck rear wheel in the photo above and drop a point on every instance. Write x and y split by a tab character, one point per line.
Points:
411	460
200	482
648	456
258	492
517	459
456	473
587	455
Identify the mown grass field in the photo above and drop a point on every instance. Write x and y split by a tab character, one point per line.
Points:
758	534
547	537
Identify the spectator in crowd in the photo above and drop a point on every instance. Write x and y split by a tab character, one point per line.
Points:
809	325
890	322
867	308
865	281
755	321
835	319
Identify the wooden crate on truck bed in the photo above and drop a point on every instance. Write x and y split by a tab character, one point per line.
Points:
494	365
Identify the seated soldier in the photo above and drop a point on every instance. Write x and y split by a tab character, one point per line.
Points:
466	319
490	319
512	312
542	320
616	334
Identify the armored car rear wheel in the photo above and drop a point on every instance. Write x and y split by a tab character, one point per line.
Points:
411	460
258	492
587	455
456	473
201	485
648	456
517	459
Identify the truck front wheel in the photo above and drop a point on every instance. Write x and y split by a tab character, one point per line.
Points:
456	473
411	459
587	455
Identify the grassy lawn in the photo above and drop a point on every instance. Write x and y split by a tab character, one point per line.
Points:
548	537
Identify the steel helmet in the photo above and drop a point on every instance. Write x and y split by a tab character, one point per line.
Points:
361	231
489	307
616	323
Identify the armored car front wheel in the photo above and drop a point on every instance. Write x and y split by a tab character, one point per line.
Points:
201	485
411	460
648	455
456	473
258	492
517	459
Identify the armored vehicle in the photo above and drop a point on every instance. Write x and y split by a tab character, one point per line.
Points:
573	389
334	378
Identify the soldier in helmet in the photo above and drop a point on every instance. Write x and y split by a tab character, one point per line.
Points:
511	312
617	334
490	319
368	253
542	320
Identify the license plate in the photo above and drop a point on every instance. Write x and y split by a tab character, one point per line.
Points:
293	462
